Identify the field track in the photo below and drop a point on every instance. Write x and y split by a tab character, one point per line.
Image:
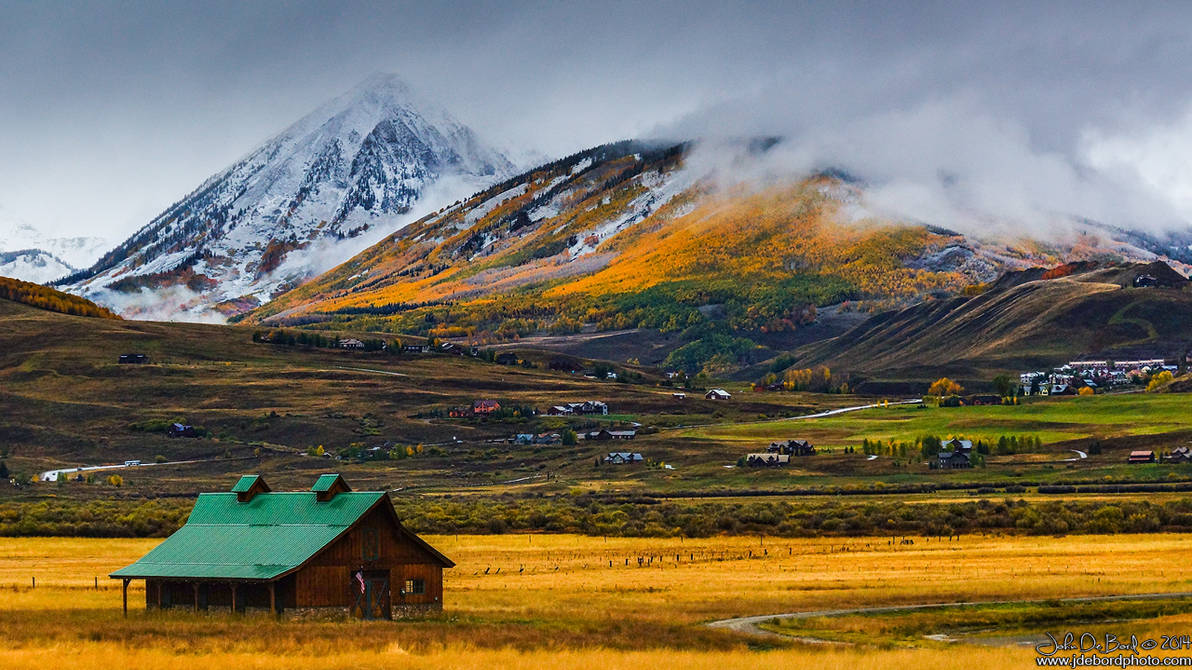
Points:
749	624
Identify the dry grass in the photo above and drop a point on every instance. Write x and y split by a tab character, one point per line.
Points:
557	603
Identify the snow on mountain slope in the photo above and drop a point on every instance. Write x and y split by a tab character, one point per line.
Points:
42	255
33	265
340	178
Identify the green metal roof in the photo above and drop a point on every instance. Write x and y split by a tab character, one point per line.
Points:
260	539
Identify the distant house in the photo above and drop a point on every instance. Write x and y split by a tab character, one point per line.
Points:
963	446
351	343
983	399
524	438
605	434
459	412
792	448
414	348
1141	456
181	430
718	394
485	407
132	359
622	458
1180	455
679	396
1145	281
767	460
586	408
952	460
548	438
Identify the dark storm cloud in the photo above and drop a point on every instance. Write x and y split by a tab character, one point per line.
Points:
108	112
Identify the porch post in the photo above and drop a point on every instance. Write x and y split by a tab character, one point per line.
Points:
125	591
273	599
159	594
233	597
196	588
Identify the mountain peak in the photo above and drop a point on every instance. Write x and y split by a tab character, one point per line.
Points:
356	166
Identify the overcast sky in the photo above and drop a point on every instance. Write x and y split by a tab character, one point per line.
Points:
111	111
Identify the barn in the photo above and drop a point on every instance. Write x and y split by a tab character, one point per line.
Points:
326	549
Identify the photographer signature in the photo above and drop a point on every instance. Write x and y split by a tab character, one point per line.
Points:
1109	643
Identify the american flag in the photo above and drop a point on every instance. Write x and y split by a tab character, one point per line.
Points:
360	579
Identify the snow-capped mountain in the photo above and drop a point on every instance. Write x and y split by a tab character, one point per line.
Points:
27	253
345	175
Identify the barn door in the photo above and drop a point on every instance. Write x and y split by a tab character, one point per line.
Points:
372	594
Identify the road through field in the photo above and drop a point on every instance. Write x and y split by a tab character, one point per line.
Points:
750	624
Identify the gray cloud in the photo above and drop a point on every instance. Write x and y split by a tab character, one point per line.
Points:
965	111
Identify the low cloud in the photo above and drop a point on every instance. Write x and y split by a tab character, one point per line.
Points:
1012	126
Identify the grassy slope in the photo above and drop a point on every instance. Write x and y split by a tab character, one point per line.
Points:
65	401
1038	324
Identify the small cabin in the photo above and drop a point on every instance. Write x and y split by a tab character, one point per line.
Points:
181	430
1147	456
718	394
132	359
328	549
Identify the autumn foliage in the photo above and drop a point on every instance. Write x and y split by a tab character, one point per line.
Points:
945	387
44	297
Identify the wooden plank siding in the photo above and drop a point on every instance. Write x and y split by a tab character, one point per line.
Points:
374	544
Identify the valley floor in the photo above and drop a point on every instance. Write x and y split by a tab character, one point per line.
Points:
556	602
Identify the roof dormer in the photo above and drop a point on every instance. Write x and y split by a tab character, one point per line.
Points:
248	486
327	486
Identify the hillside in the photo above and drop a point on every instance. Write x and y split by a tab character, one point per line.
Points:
43	297
1026	320
296	205
624	237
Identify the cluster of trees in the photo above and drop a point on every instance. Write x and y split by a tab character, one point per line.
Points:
389	452
818	380
1160	380
944	387
928	446
316	339
47	298
590	515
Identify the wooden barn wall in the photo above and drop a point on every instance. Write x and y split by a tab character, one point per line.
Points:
432	574
326	580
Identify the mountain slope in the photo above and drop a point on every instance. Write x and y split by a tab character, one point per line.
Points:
628	236
348	170
623	236
34	265
1026	320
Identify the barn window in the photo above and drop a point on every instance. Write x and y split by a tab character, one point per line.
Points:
371	545
415	587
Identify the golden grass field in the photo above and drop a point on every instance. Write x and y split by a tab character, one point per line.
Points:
557	603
